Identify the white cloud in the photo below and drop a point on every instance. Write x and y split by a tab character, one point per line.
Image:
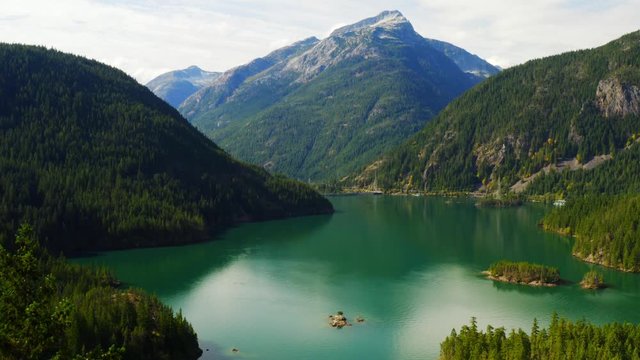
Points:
148	37
518	30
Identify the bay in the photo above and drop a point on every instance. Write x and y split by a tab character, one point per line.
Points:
410	266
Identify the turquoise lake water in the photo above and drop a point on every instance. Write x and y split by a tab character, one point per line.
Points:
409	265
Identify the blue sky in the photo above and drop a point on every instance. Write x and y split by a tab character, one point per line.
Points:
148	37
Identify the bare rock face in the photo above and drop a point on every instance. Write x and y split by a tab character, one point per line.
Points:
613	98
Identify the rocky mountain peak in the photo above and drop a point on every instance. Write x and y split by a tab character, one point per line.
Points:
353	41
387	20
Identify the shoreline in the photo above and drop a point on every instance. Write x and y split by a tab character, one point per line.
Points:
361	191
595	262
589	259
503	279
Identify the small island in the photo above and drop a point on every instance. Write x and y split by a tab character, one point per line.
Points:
523	273
499	201
593	280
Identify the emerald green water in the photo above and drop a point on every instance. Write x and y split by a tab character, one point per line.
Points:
409	265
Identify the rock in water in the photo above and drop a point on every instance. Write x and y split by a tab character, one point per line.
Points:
338	320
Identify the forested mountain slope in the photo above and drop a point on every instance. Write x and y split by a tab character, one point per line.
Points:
563	109
93	160
50	309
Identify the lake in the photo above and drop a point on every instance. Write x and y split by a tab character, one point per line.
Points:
410	266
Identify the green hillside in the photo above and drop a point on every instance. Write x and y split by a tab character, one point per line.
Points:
571	106
337	123
93	160
605	229
50	309
616	176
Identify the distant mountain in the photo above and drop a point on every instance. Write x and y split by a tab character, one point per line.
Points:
522	128
225	87
322	108
466	61
175	86
93	160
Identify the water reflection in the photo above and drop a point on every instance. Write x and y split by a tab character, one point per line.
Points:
171	271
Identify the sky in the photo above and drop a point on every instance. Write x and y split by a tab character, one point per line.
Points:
148	37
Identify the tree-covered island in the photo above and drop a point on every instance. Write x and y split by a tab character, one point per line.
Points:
523	273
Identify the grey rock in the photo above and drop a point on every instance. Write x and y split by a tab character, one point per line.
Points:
617	99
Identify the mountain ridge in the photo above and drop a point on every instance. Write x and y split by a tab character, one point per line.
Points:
231	79
467	62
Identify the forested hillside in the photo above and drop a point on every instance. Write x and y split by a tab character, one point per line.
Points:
52	309
617	176
93	160
605	229
570	106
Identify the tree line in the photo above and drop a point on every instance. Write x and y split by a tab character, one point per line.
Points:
563	339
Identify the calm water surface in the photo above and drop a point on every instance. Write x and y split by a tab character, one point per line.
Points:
409	265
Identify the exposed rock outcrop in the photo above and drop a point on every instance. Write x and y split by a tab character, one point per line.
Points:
614	98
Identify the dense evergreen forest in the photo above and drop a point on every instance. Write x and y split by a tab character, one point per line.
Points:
93	160
52	309
562	340
574	105
616	176
605	229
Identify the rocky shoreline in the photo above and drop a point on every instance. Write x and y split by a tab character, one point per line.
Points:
536	283
591	259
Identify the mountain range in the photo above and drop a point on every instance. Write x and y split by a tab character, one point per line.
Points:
175	86
320	109
93	160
